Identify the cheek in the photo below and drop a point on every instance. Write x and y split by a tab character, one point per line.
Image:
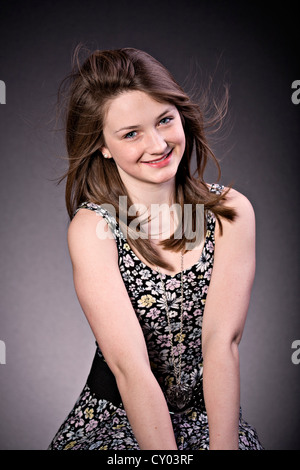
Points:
178	132
125	154
179	136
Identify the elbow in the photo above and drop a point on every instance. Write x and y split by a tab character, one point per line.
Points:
135	383
127	372
221	345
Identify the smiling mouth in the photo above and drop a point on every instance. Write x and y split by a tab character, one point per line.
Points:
160	159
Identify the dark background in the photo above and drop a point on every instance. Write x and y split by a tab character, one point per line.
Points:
49	346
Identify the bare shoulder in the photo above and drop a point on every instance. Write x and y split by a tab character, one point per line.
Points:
88	234
83	223
244	222
239	202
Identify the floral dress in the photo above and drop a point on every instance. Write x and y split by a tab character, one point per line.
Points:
98	420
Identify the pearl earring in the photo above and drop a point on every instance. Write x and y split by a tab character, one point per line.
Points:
105	155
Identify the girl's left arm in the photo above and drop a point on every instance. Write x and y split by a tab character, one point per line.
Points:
224	319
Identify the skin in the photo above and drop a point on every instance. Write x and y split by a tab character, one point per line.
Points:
109	310
139	129
145	136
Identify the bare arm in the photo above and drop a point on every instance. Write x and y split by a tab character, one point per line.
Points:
223	323
105	302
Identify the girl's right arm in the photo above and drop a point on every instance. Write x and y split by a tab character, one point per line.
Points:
105	302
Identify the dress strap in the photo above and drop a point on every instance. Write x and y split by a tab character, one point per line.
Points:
106	214
216	188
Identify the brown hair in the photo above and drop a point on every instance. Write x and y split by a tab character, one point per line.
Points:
90	177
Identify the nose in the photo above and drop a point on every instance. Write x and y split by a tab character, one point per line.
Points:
155	143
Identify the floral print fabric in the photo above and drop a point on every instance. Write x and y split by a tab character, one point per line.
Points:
97	423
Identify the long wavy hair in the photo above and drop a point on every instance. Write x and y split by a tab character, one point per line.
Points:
87	92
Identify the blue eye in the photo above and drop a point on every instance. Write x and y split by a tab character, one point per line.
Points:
166	120
130	135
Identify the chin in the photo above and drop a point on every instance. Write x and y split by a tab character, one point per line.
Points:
166	178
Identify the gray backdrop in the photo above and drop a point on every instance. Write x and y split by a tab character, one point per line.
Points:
49	346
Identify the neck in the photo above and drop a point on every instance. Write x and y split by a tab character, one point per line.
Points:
155	201
158	194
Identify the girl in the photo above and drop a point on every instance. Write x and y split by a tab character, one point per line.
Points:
167	306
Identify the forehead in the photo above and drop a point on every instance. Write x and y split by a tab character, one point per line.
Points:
133	108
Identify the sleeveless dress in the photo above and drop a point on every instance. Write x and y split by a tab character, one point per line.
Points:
98	420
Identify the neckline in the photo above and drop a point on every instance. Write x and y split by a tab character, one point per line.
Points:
165	275
210	218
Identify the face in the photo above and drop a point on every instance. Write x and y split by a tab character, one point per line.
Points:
144	137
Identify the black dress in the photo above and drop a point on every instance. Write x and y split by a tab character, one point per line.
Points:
98	419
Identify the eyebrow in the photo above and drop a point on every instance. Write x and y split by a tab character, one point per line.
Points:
137	126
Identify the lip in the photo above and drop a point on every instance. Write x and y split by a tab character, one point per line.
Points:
159	164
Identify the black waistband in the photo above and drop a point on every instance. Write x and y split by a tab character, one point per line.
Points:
103	385
102	381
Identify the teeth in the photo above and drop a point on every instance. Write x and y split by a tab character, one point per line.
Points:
163	158
157	161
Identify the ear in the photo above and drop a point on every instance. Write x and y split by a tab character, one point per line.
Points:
105	152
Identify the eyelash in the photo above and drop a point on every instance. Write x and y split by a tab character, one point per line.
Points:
169	119
128	136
